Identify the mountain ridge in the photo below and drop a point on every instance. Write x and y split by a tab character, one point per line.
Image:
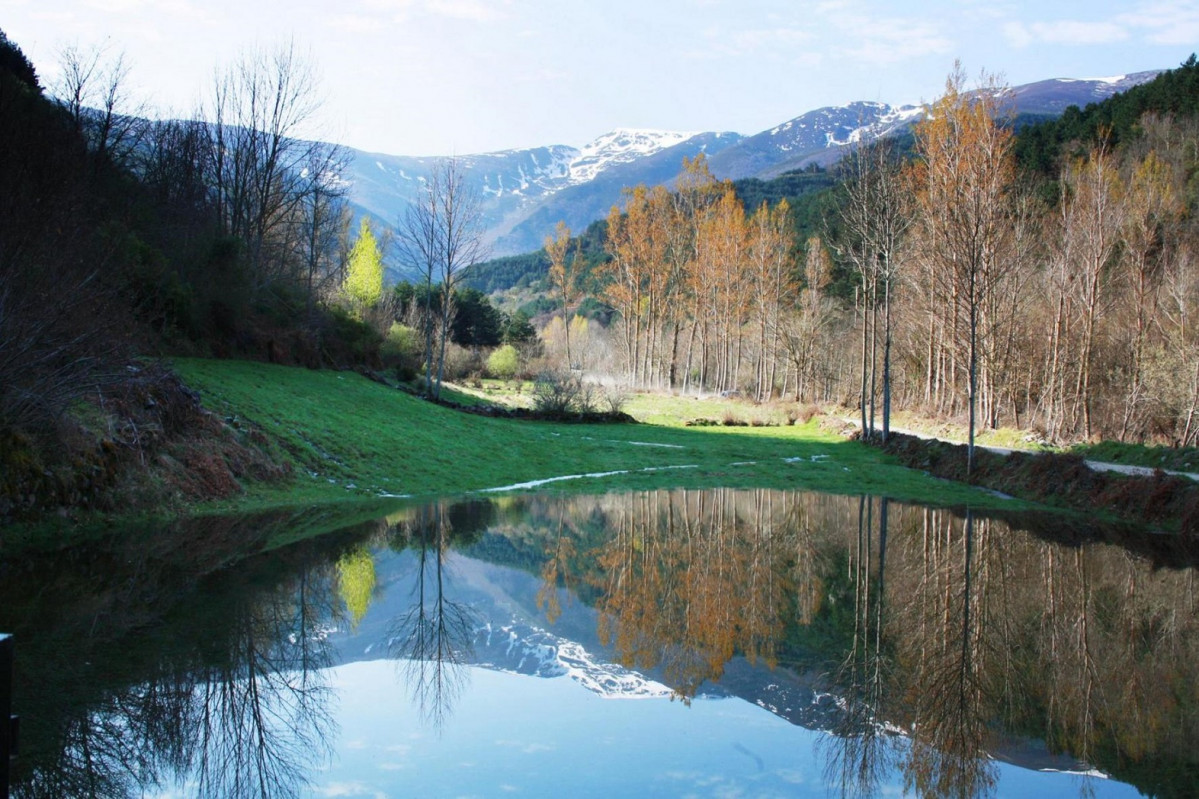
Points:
525	192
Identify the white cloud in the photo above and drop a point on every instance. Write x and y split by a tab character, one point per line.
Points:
880	40
1167	23
55	17
356	24
1077	32
117	6
753	40
1162	22
780	42
144	7
884	41
349	789
1017	34
470	10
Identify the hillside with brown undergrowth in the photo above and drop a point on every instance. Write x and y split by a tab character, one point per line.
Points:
144	443
1159	499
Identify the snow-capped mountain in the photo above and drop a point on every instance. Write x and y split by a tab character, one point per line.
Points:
1054	96
526	192
621	146
523	649
817	136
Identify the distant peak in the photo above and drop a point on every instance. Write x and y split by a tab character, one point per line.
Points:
622	145
642	135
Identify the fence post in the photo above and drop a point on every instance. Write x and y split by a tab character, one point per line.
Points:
8	722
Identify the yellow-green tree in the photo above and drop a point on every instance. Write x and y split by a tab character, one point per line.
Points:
356	583
364	269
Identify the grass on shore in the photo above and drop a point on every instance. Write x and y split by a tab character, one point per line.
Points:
352	438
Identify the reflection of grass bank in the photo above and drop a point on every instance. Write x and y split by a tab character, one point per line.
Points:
350	437
1062	479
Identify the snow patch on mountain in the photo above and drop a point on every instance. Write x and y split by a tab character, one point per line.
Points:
621	146
887	119
525	649
1111	79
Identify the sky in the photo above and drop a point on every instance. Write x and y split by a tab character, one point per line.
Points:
452	77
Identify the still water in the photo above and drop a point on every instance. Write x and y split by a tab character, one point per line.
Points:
685	643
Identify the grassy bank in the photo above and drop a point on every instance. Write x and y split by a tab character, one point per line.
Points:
352	438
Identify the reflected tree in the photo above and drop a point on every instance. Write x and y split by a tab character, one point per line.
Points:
945	686
236	708
862	750
260	719
691	580
434	638
556	569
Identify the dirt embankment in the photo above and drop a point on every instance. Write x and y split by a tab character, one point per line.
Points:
1064	480
143	443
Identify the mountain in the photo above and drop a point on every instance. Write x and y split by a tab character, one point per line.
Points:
581	204
815	137
526	192
1055	96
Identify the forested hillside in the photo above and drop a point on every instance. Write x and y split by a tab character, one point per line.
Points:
121	238
1032	275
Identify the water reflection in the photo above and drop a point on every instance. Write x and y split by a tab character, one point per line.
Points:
932	645
949	640
155	674
862	749
434	638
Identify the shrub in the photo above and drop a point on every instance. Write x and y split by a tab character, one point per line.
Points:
615	399
348	341
459	363
503	362
556	392
401	350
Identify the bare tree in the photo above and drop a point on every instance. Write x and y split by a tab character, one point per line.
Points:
93	87
963	177
441	233
259	168
323	219
875	220
564	275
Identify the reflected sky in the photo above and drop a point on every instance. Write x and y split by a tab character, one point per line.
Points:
528	736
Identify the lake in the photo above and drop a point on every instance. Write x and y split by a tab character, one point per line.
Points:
675	643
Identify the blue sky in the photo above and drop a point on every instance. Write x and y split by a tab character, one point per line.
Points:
437	77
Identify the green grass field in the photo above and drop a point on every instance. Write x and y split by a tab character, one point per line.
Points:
352	438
